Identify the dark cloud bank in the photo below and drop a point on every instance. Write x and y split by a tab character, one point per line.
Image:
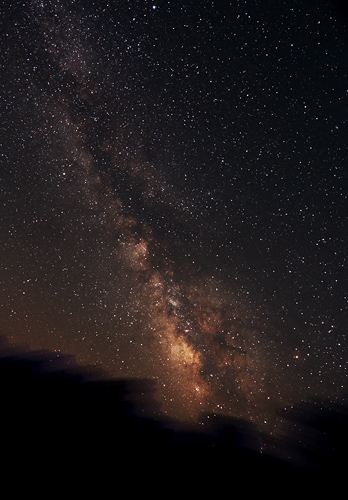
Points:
67	426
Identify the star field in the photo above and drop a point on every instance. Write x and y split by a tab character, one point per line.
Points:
174	196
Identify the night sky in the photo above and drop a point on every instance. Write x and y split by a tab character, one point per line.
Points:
174	196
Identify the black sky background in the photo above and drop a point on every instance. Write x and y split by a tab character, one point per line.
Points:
174	195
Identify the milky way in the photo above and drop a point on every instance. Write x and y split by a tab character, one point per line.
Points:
158	216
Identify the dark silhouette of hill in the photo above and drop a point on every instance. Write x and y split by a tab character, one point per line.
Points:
71	429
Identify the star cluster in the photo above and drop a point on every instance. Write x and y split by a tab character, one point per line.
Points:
174	201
